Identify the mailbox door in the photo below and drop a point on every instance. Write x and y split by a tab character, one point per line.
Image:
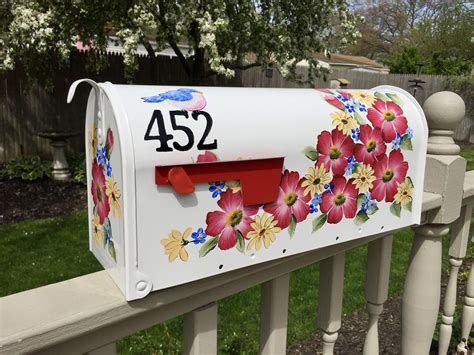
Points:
353	166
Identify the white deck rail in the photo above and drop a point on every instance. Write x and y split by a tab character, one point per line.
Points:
88	314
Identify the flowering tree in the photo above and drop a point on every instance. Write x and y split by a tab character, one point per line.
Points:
222	35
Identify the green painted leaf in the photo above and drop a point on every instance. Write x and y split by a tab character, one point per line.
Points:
394	98
408	207
360	200
410	181
406	143
372	211
311	153
381	96
292	226
240	242
112	250
359	118
361	218
395	208
318	222
208	246
104	232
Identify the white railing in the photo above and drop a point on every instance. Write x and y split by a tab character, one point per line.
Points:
88	314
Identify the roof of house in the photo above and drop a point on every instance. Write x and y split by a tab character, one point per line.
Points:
342	59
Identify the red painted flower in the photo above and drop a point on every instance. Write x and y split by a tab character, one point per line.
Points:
345	93
235	218
372	144
99	196
207	157
291	200
331	99
334	149
389	173
387	116
340	201
109	142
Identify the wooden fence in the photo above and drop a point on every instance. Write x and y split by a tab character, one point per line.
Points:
26	109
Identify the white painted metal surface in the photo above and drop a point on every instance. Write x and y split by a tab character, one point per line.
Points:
346	175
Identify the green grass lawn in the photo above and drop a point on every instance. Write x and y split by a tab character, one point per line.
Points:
40	252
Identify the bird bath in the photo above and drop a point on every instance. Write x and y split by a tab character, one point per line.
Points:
60	167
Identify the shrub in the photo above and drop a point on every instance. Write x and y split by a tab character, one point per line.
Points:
77	164
26	168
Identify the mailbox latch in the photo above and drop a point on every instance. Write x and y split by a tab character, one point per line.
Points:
259	179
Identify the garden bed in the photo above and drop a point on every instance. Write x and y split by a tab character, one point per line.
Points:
24	200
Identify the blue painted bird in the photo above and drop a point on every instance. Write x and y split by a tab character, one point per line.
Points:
183	98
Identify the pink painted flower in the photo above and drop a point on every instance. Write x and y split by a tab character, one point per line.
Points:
326	91
334	149
340	200
389	172
345	93
207	157
291	200
234	217
387	116
331	99
98	190
372	144
109	142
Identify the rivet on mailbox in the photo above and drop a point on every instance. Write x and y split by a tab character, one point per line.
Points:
182	179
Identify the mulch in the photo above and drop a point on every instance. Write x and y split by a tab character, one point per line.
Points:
24	200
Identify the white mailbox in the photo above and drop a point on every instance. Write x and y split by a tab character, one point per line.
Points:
186	183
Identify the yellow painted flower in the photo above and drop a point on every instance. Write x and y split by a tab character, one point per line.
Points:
364	98
92	140
175	244
264	229
97	230
113	193
404	195
315	180
234	185
363	178
343	122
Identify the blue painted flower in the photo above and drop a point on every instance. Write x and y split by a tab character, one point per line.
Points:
360	107
396	142
328	187
355	134
351	164
350	106
368	205
108	169
409	133
314	203
342	98
101	155
199	236
216	188
108	232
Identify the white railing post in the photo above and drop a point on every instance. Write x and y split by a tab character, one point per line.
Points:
457	252
200	331
444	175
376	288
468	307
331	283
274	315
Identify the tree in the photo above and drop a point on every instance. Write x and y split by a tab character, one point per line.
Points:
222	35
400	33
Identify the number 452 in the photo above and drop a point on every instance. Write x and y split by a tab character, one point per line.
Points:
165	137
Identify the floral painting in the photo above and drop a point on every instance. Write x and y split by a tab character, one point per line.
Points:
353	169
104	191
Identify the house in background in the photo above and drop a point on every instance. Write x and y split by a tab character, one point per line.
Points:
351	62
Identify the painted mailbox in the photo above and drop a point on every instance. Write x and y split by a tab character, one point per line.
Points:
186	183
